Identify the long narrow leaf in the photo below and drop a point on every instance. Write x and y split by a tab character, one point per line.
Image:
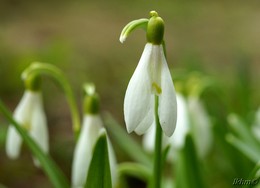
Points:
188	172
49	166
99	175
242	130
247	149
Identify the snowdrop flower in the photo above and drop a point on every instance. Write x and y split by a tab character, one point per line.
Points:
192	118
151	77
30	115
90	132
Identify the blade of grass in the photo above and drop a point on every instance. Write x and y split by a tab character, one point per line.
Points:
247	149
188	171
242	130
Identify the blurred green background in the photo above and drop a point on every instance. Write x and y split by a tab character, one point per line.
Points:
220	39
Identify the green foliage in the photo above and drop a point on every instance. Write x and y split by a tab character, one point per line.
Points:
99	175
188	170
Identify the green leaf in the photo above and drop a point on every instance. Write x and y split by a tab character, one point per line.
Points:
254	177
242	130
135	169
165	154
99	175
126	143
188	172
49	166
248	150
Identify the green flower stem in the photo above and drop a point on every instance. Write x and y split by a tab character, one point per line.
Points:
158	149
50	70
54	173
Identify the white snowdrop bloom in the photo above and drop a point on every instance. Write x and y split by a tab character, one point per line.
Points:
29	114
151	77
91	129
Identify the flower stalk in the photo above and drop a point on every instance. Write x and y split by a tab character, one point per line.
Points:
158	148
38	68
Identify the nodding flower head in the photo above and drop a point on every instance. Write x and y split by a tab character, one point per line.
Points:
151	77
30	115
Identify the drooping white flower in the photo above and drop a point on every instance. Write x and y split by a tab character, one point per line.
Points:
29	114
151	77
91	129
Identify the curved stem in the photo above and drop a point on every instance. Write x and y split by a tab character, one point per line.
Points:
54	72
158	148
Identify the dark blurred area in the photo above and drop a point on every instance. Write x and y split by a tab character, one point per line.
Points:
219	38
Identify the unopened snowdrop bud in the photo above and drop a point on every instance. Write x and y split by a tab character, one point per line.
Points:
30	115
91	129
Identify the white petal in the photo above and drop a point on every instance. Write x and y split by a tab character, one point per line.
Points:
146	122
149	139
139	98
182	125
92	125
22	115
13	143
167	100
39	129
201	126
